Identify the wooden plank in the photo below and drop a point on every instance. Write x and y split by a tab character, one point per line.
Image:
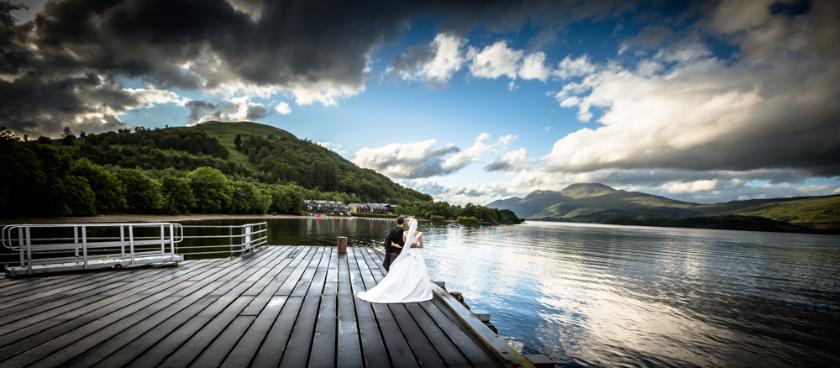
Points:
37	346
96	331
460	339
160	349
276	281
228	338
191	349
261	284
274	346
213	355
348	346
377	344
130	328
296	274
323	351
247	346
124	338
30	334
61	307
438	338
300	342
37	306
469	347
422	348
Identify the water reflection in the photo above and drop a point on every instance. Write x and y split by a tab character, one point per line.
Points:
610	295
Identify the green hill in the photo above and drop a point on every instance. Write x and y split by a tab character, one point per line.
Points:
203	168
599	203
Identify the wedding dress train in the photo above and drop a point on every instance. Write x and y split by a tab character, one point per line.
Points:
408	279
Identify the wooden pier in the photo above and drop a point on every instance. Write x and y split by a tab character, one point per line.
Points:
290	306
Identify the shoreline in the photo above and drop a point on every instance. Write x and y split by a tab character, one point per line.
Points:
148	218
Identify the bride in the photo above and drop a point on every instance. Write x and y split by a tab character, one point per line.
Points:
408	280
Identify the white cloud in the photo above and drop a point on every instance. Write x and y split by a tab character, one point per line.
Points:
148	97
533	67
506	139
426	158
326	93
434	63
773	107
513	160
447	58
571	68
283	108
691	186
459	160
495	61
235	109
406	160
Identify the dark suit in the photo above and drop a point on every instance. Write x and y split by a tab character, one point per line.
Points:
391	253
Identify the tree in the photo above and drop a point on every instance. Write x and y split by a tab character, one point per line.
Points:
248	198
286	199
67	137
211	188
238	142
107	188
142	193
177	195
79	198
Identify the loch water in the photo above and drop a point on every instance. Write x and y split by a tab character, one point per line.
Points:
602	295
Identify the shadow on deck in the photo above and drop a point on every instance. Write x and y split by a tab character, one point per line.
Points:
285	306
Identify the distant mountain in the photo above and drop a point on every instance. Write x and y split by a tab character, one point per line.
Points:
599	203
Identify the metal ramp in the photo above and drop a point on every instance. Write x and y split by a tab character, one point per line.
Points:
50	248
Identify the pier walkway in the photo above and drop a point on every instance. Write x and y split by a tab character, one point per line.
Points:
289	306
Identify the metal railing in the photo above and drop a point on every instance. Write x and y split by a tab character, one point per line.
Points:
100	245
229	240
92	245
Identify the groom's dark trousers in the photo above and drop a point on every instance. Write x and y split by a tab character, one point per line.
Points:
391	253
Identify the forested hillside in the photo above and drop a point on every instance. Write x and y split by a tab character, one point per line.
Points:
599	203
214	167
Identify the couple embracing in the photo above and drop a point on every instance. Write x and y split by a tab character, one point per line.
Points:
407	280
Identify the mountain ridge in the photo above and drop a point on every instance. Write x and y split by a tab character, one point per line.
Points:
599	203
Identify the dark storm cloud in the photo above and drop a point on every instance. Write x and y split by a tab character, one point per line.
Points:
6	18
202	109
256	112
191	45
410	61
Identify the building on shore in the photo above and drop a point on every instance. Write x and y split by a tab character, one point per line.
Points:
381	208
326	207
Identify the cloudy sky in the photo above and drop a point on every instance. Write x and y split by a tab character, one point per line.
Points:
703	101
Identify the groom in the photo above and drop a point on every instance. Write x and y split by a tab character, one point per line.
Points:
394	243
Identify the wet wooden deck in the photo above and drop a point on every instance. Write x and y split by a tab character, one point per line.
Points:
289	306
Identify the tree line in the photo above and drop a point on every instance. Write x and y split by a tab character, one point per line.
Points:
181	171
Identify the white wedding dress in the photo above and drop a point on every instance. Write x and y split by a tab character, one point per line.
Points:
408	279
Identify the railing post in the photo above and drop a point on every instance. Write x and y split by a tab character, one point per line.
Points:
20	245
28	250
76	240
131	242
230	239
84	246
162	242
122	241
171	240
